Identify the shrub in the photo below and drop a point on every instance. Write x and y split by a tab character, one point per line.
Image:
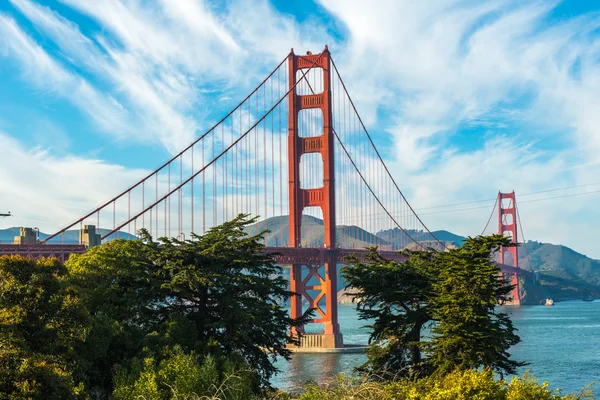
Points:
185	376
458	385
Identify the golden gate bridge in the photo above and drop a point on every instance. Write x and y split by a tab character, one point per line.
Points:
296	153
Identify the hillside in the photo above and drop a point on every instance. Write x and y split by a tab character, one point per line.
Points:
312	233
396	235
563	262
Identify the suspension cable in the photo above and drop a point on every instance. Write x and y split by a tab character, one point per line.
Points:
171	160
377	152
220	154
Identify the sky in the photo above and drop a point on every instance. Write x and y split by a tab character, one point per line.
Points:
468	98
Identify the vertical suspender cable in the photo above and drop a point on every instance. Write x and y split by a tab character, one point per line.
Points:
265	185
192	193
143	204
272	158
156	199
180	205
281	239
169	200
225	173
203	192
214	184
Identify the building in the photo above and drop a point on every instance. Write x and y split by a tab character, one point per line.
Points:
26	236
89	237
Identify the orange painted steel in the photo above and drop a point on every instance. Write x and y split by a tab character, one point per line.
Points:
323	197
507	224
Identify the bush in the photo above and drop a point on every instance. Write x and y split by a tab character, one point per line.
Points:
185	376
458	385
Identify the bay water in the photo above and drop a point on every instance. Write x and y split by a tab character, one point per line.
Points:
560	343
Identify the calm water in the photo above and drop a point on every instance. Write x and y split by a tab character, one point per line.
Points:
561	343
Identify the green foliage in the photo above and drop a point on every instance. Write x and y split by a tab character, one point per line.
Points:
218	294
395	295
41	322
230	289
202	319
469	332
452	293
184	376
457	385
116	283
140	381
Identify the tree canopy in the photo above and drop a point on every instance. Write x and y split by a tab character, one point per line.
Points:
168	318
157	318
41	323
469	332
395	296
218	293
436	311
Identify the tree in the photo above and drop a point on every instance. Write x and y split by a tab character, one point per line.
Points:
117	282
469	331
230	289
395	295
41	322
218	293
454	293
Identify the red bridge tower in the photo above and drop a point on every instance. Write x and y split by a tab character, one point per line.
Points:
507	226
323	197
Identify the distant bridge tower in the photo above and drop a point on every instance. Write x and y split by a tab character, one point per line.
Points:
323	197
507	226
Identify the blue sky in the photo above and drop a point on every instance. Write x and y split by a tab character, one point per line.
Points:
465	97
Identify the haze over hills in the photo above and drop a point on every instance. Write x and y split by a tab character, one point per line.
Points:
550	259
563	262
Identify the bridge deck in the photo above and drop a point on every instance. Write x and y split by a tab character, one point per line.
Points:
282	255
316	256
60	251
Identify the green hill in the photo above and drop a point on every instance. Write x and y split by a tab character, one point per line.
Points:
312	233
563	262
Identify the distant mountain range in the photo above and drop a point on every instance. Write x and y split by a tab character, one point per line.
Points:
556	262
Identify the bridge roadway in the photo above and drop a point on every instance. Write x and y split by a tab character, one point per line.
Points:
60	251
282	255
317	256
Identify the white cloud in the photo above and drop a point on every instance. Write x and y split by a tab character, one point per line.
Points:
44	73
446	64
167	61
419	70
42	189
